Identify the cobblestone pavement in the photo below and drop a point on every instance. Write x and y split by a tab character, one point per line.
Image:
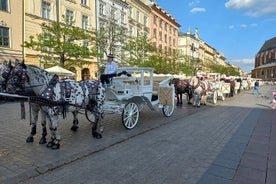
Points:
231	142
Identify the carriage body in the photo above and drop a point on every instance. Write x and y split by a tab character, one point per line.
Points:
128	94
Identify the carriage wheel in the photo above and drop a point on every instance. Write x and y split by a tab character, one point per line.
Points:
168	110
89	116
215	97
130	115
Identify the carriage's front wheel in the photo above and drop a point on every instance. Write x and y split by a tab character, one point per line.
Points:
168	110
130	115
215	97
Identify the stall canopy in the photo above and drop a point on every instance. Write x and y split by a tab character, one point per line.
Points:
60	71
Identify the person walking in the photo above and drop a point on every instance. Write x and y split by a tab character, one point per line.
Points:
110	70
256	87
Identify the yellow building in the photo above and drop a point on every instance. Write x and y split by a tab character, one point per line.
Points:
36	12
11	30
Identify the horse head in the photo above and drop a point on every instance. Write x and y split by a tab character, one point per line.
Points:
5	69
16	78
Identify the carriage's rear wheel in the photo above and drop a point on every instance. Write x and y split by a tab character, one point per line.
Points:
168	110
130	115
89	116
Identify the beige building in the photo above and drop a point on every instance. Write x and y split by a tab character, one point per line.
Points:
138	17
36	12
11	30
191	46
163	29
265	61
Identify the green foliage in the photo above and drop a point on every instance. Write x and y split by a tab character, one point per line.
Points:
62	44
137	50
227	70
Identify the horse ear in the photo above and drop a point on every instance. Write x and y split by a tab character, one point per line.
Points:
9	63
23	61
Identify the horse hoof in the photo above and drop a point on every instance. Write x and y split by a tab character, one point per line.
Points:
50	144
55	146
198	106
30	139
74	128
42	141
189	103
97	135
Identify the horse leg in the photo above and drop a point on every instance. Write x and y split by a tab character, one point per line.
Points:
180	98
55	136
75	121
34	118
95	133
44	130
177	97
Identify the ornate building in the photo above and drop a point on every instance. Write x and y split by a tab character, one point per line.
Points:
265	61
11	30
164	29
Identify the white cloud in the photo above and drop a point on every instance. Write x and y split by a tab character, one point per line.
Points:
243	61
195	2
254	7
243	26
231	27
197	9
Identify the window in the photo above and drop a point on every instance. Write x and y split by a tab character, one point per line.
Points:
123	18
130	12
155	19
84	22
113	14
145	21
154	33
138	16
69	17
160	36
130	31
4	37
46	9
84	2
160	23
4	5
101	9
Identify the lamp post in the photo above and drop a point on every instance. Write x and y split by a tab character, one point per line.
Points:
193	64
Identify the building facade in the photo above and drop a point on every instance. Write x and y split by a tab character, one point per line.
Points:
163	30
191	46
37	12
265	61
11	30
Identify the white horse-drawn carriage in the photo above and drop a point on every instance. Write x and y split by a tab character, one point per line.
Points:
130	91
127	96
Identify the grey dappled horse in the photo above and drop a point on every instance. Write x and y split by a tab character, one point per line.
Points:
67	95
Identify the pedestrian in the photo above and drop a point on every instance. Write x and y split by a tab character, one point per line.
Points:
256	87
109	71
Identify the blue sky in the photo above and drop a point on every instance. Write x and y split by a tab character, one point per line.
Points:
238	28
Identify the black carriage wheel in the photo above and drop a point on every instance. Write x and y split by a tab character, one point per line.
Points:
168	110
130	115
90	116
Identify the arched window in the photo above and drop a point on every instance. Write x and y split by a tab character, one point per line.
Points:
85	74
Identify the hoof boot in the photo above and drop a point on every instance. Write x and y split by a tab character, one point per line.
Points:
30	139
42	140
74	128
50	144
55	146
97	135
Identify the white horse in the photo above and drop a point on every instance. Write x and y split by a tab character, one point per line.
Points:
198	88
59	96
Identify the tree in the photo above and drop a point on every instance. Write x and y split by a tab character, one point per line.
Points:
137	50
62	44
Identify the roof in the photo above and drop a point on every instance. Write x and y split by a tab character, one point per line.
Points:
268	45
